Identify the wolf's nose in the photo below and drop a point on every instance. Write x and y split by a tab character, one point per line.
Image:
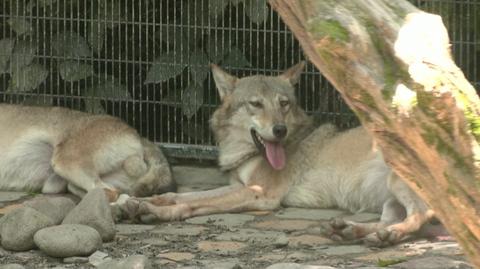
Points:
279	130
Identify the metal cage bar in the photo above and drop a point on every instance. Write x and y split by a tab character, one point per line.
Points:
146	61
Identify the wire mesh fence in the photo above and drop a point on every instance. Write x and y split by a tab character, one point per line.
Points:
147	61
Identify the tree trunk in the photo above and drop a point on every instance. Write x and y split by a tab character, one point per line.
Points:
391	62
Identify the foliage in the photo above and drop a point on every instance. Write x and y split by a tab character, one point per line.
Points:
388	262
124	55
74	49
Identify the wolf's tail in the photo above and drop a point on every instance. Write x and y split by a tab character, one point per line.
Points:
158	178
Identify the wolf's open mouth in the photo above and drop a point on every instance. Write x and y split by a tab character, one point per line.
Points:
273	151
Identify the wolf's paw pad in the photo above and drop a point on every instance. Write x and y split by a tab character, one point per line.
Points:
131	207
340	230
383	238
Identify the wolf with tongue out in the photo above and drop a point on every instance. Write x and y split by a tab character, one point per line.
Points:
275	156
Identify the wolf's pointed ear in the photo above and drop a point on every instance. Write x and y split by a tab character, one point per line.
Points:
292	75
224	81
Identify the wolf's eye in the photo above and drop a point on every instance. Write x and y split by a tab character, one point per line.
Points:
256	104
284	103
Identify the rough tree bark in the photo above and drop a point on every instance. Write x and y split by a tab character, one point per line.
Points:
392	64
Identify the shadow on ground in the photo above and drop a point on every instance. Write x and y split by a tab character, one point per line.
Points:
287	238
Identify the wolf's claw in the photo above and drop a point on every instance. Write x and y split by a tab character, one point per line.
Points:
383	238
131	207
340	230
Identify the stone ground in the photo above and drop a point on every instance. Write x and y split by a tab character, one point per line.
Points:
288	238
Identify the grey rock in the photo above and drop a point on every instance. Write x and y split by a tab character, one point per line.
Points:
19	226
98	257
28	256
256	237
309	214
344	250
297	266
12	266
229	220
54	207
10	196
127	229
2	219
135	261
155	241
94	211
183	230
437	262
226	263
280	241
75	260
68	240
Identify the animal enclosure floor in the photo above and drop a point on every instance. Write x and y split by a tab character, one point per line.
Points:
287	238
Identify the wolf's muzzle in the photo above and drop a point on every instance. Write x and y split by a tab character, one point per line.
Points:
279	131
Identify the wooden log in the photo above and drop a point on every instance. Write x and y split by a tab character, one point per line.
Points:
392	65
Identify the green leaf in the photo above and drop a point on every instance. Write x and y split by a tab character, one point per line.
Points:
6	48
27	78
19	7
94	106
111	12
216	8
106	88
54	8
386	263
215	52
20	26
199	66
44	3
180	39
195	13
70	45
236	58
165	67
192	99
74	71
96	36
236	2
40	3
38	100
257	10
23	55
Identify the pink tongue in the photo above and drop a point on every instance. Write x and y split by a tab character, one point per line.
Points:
275	155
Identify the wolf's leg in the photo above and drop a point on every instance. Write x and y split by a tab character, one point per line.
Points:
339	229
235	198
129	205
417	214
151	170
76	190
54	184
100	148
81	176
171	198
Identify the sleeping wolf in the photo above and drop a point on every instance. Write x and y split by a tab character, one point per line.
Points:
54	149
275	157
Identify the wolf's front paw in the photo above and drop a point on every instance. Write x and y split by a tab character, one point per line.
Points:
131	207
340	230
383	238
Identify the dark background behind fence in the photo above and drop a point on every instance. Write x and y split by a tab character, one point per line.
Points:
146	61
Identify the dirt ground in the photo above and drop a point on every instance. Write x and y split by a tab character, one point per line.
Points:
288	238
